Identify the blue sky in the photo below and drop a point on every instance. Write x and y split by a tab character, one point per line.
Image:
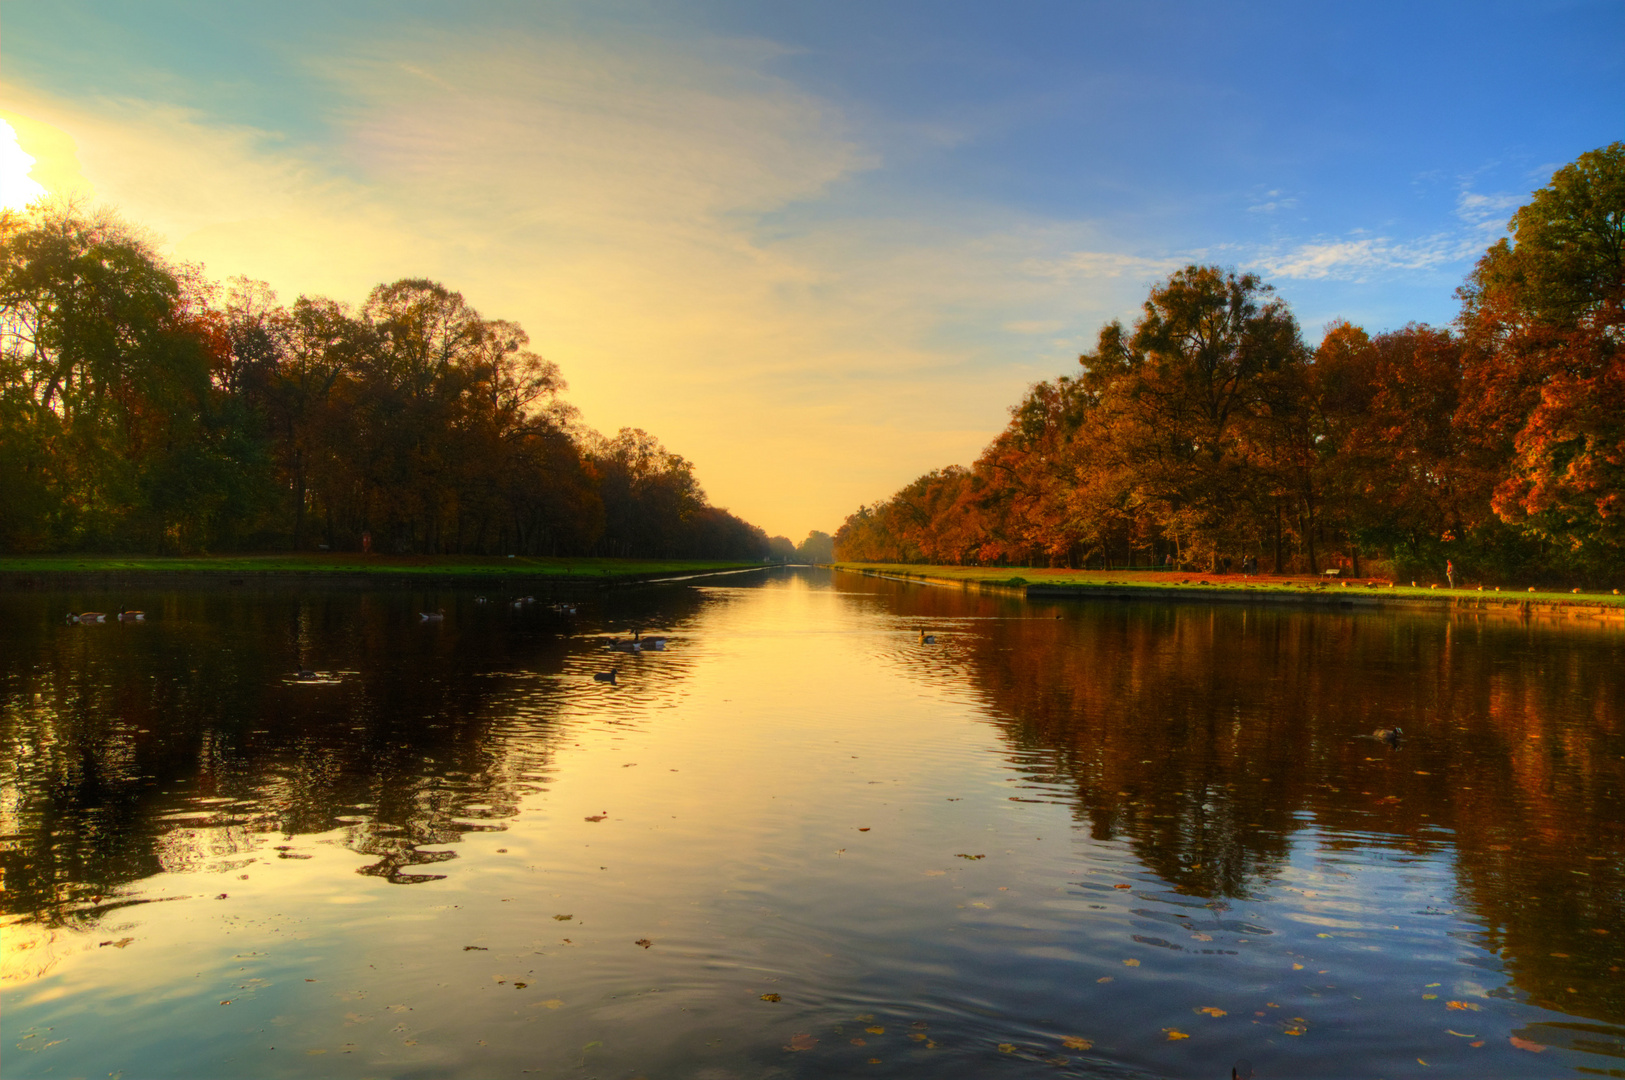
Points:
818	249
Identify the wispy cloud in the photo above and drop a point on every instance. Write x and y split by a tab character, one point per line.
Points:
1273	201
1362	258
1486	210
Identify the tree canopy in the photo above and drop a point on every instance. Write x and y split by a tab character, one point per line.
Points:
1210	432
143	407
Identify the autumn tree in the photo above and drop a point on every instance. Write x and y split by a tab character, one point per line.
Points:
1543	316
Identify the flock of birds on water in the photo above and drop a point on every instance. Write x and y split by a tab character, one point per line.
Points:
637	643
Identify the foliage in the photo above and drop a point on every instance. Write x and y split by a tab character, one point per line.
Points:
142	411
1208	434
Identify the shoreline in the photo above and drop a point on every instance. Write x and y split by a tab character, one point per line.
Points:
1178	587
554	575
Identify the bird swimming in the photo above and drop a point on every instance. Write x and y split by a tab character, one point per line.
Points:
604	676
433	616
131	616
927	639
1389	735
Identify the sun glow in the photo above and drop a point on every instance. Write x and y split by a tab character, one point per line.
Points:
17	188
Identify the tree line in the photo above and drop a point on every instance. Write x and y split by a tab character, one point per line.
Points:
1209	434
144	407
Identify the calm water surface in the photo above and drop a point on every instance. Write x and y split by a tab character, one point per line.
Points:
1073	840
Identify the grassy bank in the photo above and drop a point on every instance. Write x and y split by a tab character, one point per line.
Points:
382	566
1156	584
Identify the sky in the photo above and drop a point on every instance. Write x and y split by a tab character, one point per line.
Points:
817	249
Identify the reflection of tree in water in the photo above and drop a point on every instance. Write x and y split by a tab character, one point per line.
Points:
179	744
1208	736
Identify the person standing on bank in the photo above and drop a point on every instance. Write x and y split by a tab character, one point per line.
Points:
1450	573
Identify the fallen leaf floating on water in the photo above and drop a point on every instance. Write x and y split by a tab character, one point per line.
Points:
563	918
876	1030
972	858
1122	885
801	1042
1105	979
1072	1042
119	944
1525	1044
1213	1011
645	942
475	948
1174	1034
1131	963
860	1042
771	997
520	985
1007	1048
596	817
1464	1005
1463	1034
864	829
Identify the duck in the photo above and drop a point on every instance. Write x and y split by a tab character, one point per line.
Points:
305	675
131	616
605	676
433	616
1389	735
927	639
89	616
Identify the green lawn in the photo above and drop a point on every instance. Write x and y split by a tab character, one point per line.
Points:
1021	576
438	565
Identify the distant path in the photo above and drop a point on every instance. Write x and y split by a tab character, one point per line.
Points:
1173	586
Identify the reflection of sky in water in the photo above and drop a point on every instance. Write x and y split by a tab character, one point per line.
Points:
1035	830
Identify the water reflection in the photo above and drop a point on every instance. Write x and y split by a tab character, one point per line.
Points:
178	743
1083	839
1210	736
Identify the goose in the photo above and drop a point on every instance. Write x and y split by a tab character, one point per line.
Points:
305	675
604	676
131	616
433	616
627	645
658	644
927	639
